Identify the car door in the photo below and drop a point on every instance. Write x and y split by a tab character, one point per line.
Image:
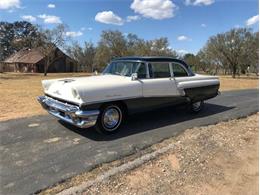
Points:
160	82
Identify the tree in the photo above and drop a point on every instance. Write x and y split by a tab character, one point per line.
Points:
26	35
192	60
115	44
6	38
48	43
160	47
136	46
251	53
16	36
255	53
208	62
229	50
112	44
156	47
84	56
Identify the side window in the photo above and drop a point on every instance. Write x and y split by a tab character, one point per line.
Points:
141	71
178	70
159	70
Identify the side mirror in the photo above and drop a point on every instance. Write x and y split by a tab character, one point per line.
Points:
134	76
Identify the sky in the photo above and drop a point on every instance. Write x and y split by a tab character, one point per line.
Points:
186	23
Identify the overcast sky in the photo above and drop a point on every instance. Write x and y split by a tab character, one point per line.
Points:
186	23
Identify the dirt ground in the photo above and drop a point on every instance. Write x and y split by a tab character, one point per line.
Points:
220	159
215	159
19	91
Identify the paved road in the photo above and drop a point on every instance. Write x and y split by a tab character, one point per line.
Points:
39	151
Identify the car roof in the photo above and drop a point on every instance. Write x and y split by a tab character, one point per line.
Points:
150	59
153	59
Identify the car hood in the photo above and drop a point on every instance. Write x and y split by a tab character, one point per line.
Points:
88	90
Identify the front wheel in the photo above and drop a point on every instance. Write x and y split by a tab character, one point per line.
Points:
196	107
110	119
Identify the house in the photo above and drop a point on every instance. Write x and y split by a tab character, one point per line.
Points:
32	60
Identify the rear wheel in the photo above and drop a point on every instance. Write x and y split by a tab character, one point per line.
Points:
196	107
110	119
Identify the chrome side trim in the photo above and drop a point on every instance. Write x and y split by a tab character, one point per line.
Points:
69	113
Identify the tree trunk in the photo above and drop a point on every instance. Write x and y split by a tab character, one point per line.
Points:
225	71
234	71
216	71
46	65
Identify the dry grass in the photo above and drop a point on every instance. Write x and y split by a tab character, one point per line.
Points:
19	91
228	83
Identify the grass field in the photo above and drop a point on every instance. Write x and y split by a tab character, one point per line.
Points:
19	91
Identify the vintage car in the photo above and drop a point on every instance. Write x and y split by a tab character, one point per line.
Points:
127	85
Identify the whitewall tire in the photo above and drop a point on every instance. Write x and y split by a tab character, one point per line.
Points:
110	119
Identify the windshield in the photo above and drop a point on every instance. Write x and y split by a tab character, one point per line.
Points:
121	68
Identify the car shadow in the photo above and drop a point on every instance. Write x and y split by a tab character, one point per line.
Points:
146	121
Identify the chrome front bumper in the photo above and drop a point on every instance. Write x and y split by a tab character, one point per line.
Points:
69	113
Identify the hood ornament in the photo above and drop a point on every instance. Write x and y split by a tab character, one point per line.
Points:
67	80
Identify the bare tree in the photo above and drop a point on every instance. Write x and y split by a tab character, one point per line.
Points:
83	55
48	43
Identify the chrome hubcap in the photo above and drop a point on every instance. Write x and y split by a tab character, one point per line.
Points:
111	118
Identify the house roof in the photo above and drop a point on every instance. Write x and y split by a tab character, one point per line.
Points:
27	56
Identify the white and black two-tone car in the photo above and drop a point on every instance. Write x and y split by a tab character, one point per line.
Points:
127	85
